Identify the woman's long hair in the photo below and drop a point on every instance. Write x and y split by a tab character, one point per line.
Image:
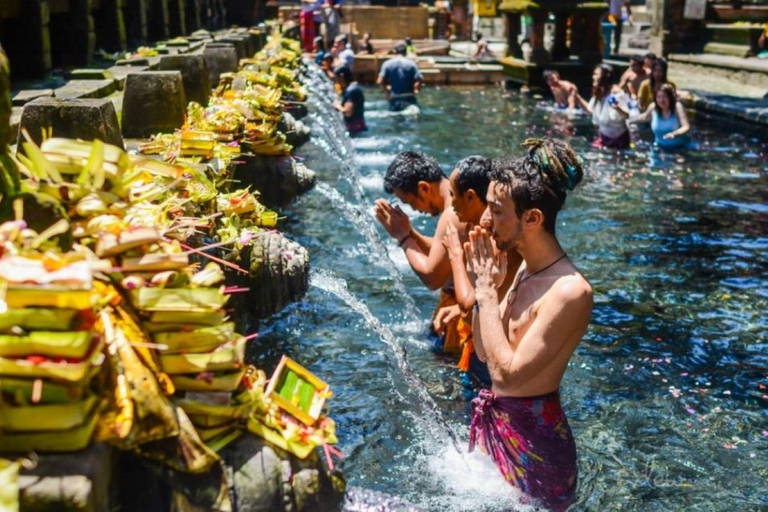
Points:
607	79
662	63
671	94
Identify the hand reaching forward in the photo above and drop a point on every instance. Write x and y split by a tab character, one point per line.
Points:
394	220
486	270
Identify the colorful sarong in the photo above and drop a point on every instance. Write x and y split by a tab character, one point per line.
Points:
457	332
620	142
530	441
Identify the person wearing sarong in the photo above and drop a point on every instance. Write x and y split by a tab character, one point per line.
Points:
469	185
417	180
528	337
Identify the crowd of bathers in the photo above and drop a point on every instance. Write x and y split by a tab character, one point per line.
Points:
399	77
643	94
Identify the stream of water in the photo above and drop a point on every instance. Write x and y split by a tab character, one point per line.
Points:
667	394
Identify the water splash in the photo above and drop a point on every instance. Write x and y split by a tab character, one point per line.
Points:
328	282
362	221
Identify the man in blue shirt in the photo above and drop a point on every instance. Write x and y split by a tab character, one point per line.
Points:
352	103
401	79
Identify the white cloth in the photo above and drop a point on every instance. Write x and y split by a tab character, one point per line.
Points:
609	122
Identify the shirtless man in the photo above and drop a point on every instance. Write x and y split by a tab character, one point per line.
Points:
561	90
633	76
418	181
529	337
469	187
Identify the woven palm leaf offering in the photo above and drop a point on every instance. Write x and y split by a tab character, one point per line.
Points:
50	352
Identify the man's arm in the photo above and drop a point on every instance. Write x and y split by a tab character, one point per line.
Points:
465	294
434	268
347	108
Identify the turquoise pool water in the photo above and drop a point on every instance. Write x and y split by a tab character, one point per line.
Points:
668	392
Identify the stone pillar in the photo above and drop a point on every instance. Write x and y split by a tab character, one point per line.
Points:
136	22
242	12
5	102
25	36
193	12
72	34
194	74
513	34
86	119
177	23
154	102
110	26
157	20
590	54
560	50
539	54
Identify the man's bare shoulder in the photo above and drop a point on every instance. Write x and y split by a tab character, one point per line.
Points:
572	288
449	217
567	86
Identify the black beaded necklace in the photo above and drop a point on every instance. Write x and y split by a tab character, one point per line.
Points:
517	287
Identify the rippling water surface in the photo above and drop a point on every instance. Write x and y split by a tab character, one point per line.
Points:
667	394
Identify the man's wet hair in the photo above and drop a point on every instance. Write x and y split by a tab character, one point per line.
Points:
637	58
408	169
541	179
649	55
474	173
400	48
344	72
548	73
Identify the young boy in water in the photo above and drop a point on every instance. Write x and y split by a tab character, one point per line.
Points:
528	337
561	90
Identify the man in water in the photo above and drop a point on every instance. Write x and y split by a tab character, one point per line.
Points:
633	76
401	79
352	103
418	181
528	337
561	90
469	186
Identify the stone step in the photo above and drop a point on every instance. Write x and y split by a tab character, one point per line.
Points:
79	89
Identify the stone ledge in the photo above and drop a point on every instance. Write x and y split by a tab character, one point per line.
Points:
722	61
81	89
746	109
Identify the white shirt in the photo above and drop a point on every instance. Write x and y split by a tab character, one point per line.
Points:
609	122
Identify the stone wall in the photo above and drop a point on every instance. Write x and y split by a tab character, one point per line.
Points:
41	35
382	22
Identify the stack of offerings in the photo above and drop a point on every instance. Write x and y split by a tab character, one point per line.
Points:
50	353
183	311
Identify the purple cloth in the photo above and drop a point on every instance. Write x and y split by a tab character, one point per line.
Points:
530	441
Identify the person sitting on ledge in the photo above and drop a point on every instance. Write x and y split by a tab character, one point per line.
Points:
562	90
528	337
417	180
366	46
401	79
352	103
